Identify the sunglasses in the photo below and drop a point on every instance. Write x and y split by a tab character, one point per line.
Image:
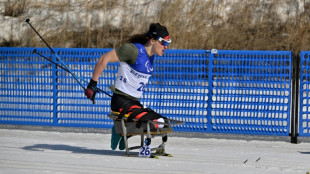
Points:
164	42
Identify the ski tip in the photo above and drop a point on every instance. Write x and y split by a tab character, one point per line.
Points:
167	154
154	156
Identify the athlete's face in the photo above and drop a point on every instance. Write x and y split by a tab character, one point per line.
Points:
159	48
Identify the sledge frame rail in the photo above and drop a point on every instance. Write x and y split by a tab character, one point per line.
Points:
149	132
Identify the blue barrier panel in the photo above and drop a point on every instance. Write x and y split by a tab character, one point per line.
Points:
36	92
251	92
73	109
179	86
26	88
304	93
246	92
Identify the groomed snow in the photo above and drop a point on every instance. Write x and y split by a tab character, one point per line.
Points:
39	152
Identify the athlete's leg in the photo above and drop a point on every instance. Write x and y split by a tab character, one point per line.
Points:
115	105
118	104
115	139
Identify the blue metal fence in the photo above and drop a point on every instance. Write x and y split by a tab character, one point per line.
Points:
251	92
178	88
34	91
246	92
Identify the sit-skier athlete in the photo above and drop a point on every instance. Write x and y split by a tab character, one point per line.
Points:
136	67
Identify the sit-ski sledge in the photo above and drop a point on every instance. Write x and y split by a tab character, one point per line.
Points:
128	128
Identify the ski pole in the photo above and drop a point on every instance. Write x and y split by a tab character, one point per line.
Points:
35	51
65	67
28	22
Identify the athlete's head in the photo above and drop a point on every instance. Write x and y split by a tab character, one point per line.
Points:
156	39
161	37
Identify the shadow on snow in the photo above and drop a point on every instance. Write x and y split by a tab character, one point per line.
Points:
75	149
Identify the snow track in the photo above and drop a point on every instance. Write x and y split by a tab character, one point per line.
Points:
37	152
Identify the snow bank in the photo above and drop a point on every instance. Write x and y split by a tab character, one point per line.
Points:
75	15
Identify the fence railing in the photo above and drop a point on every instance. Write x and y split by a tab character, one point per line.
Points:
243	92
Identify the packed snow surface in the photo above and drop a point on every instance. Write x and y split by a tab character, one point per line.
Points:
38	152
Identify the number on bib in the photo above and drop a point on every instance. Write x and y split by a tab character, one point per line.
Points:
123	79
145	151
141	87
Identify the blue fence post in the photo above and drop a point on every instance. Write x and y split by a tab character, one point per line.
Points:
55	92
210	89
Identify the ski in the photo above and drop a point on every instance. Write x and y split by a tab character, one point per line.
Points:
156	156
166	154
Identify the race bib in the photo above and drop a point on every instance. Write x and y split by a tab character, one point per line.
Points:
145	151
131	81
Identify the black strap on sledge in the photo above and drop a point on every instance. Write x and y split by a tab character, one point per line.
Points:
126	107
150	115
135	112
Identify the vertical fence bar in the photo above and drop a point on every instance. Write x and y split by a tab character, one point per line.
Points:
210	91
304	94
295	98
55	92
297	91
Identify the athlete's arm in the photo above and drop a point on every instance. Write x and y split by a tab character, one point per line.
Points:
109	57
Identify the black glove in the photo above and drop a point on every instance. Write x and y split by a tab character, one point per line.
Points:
91	90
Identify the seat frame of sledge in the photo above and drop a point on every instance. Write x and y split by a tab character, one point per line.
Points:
128	128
